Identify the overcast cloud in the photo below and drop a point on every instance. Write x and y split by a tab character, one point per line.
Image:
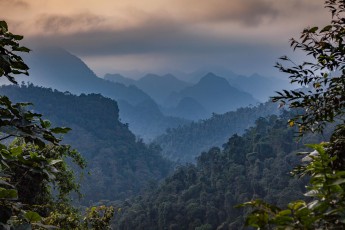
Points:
246	36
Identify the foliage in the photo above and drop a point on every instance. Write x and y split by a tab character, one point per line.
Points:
98	218
325	209
324	102
67	217
203	196
324	99
10	63
29	164
185	143
120	165
33	167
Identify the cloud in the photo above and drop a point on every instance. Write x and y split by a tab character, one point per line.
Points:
245	12
14	3
185	31
61	24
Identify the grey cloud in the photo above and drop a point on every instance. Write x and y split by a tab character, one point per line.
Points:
62	24
154	35
246	12
161	35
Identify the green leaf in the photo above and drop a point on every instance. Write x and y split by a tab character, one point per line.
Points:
32	216
45	123
296	204
8	193
22	49
338	181
62	130
53	162
284	212
326	28
16	151
313	30
3	24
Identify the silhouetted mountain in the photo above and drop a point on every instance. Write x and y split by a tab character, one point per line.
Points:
158	87
259	86
119	79
58	69
196	76
146	120
215	94
188	108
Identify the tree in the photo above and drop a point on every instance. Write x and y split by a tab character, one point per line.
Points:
10	63
323	102
324	99
34	164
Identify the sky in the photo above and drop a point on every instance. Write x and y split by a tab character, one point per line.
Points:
160	36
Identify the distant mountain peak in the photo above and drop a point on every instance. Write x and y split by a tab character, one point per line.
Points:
169	75
211	79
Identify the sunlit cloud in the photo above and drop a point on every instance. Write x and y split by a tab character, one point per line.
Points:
62	24
179	32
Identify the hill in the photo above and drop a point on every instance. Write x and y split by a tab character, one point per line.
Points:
204	196
157	87
146	119
120	165
58	69
215	94
259	86
118	78
189	109
187	142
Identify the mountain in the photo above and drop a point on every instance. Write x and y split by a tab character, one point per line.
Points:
119	79
157	87
195	76
186	142
259	86
215	94
120	166
189	109
58	69
253	166
146	120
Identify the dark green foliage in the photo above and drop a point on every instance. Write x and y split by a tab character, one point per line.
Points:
120	166
186	142
35	179
10	63
324	100
203	196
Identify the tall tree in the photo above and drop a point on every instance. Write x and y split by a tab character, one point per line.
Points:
35	162
323	101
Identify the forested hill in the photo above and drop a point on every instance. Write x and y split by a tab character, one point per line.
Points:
203	196
187	142
120	166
